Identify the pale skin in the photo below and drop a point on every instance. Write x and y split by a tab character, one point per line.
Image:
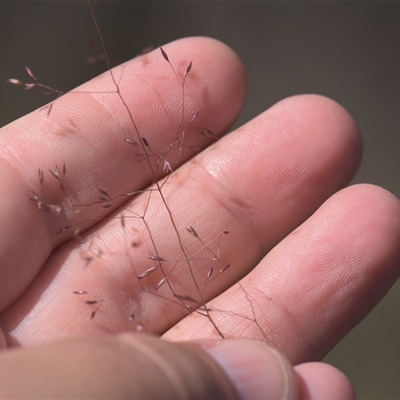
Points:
321	256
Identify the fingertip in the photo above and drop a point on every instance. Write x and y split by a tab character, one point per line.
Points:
312	135
255	369
324	109
378	197
214	63
325	116
323	381
379	211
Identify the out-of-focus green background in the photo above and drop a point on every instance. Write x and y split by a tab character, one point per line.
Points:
349	51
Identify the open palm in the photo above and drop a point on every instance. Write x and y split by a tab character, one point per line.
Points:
314	258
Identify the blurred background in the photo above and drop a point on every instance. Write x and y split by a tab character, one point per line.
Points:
349	51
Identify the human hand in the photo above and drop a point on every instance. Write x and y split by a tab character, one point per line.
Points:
262	182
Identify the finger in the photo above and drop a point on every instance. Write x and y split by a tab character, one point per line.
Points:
143	367
322	381
258	183
319	282
86	131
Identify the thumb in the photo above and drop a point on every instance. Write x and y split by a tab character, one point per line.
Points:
144	367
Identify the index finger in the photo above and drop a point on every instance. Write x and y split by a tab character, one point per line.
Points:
101	142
